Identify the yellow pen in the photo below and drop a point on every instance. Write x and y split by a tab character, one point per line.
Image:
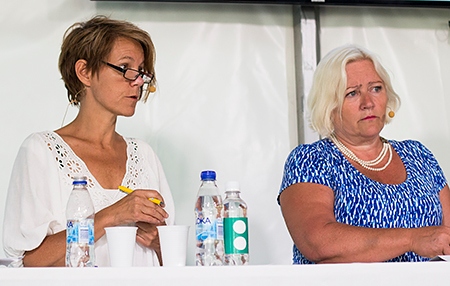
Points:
153	200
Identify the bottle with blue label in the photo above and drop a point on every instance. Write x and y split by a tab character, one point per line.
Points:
80	226
208	222
235	226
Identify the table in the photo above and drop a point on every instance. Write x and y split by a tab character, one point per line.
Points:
424	273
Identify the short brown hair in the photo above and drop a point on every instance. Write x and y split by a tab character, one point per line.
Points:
93	41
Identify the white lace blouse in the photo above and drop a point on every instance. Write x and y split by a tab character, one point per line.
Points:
41	182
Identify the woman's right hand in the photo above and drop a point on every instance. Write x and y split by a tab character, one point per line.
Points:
434	240
431	241
135	207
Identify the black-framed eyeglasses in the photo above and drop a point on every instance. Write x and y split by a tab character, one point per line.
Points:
131	74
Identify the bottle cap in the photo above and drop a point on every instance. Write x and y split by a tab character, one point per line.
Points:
232	186
79	180
208	175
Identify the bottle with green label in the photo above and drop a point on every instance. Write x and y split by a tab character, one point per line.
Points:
235	226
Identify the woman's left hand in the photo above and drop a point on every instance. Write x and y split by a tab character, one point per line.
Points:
147	235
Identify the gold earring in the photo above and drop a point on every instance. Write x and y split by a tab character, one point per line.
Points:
391	114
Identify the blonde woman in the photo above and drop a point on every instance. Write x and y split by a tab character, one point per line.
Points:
354	196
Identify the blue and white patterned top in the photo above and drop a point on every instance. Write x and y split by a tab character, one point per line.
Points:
361	201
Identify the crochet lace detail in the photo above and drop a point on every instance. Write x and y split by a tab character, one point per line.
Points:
71	165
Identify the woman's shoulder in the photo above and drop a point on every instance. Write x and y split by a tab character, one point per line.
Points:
318	154
136	141
139	145
317	162
406	142
40	146
45	137
319	148
410	146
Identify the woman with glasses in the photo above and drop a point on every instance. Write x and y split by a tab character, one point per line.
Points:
107	67
354	196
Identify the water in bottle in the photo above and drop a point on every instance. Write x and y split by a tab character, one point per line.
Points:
235	226
80	226
209	224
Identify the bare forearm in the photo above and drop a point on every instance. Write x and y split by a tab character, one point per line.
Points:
308	210
102	219
344	243
51	252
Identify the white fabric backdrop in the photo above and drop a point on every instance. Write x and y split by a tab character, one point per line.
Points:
226	90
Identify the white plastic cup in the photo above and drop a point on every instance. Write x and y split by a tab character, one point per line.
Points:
121	242
173	240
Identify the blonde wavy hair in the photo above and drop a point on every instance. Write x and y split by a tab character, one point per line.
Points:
330	82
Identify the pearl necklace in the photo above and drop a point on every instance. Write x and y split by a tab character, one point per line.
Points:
366	164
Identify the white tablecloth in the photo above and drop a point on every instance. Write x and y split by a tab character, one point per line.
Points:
426	273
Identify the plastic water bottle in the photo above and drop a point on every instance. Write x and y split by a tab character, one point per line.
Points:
235	226
80	226
209	224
